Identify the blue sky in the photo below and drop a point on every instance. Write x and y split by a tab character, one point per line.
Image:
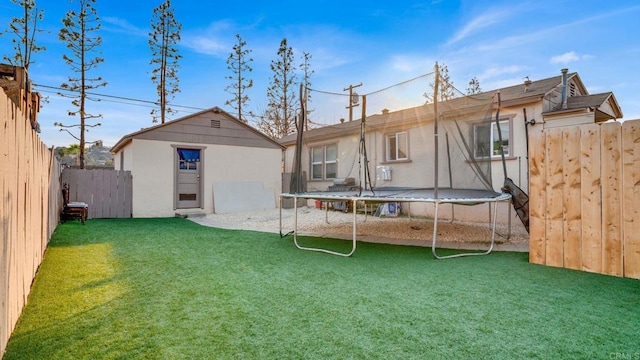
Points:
377	43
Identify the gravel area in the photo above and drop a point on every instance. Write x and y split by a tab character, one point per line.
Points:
318	222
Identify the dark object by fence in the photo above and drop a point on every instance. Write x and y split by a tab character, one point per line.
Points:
72	210
520	201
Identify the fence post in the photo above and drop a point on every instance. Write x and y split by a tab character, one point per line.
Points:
631	197
591	198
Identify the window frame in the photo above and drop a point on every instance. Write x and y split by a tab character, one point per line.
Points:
323	162
494	153
387	146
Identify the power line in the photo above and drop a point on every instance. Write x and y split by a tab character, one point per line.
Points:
113	101
118	97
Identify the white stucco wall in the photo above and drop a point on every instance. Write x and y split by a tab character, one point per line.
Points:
153	173
123	160
153	177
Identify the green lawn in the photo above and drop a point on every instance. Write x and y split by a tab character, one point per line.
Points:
172	289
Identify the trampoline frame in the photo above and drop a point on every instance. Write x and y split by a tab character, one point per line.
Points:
372	198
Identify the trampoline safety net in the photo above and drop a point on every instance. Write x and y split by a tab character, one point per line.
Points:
407	135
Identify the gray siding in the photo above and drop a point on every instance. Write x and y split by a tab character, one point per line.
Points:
204	129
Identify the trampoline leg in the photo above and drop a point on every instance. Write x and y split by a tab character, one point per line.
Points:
295	235
326	212
509	234
280	225
435	236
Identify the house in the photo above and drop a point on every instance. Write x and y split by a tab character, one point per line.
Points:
400	147
207	162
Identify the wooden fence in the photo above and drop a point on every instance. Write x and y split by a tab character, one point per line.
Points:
584	195
108	192
29	208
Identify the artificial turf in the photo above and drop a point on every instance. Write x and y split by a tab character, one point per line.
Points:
172	289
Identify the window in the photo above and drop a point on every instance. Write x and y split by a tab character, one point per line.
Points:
324	162
397	146
487	139
188	159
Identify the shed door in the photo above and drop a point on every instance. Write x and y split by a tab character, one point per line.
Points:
189	170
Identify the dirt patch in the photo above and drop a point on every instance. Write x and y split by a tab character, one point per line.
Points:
316	221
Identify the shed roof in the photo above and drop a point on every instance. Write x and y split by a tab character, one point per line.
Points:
209	126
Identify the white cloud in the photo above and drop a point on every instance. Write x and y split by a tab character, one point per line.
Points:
407	63
480	22
498	71
565	58
205	45
209	41
122	25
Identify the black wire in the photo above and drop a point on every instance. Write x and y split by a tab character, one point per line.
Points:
117	97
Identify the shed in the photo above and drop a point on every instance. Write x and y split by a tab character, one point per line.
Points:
203	163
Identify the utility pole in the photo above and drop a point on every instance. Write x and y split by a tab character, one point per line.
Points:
353	99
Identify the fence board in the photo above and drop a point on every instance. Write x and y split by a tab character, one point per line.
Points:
631	198
571	194
554	185
591	199
17	277
612	261
109	179
537	199
128	189
100	188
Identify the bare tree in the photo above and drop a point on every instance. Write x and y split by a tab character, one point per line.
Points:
24	30
162	41
474	86
279	117
76	33
305	66
446	91
239	64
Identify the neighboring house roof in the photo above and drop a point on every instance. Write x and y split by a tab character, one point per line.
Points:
604	105
525	93
210	126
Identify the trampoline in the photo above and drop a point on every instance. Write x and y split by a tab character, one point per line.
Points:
459	172
445	196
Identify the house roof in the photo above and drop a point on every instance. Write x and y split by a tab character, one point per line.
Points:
593	102
216	111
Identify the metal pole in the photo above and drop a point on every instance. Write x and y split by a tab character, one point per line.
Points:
363	158
504	163
352	104
436	84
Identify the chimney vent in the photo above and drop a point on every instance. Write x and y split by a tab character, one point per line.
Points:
527	83
564	87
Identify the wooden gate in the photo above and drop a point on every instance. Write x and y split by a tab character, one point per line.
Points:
585	198
106	191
